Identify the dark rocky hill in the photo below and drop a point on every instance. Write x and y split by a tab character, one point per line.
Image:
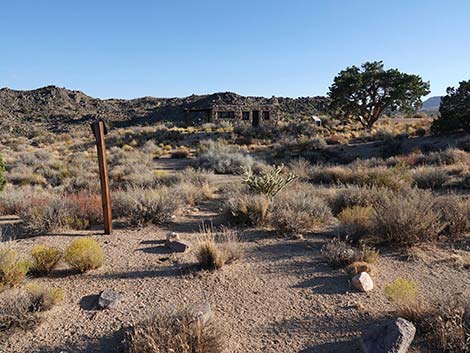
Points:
432	104
60	109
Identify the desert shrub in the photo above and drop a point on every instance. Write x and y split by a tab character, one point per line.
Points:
247	209
13	268
216	249
406	219
173	332
434	178
355	222
224	159
43	298
401	291
192	194
454	213
331	175
180	153
340	253
45	259
352	196
299	210
2	173
302	168
84	254
269	183
143	206
15	314
47	211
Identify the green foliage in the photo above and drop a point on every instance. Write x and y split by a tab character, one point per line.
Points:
365	93
13	269
454	110
2	173
401	291
269	182
84	254
45	258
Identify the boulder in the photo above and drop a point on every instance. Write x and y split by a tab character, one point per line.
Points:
392	337
201	312
363	282
109	299
178	245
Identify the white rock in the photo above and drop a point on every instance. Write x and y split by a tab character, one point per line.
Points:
172	236
363	282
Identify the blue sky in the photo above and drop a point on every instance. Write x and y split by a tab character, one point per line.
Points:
168	48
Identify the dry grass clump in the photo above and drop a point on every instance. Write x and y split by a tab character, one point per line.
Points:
13	268
43	298
216	249
355	222
299	210
247	209
15	314
430	178
193	194
173	332
84	254
45	259
339	253
407	219
143	206
353	195
454	213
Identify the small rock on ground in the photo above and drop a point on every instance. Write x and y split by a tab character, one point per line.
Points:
109	299
363	282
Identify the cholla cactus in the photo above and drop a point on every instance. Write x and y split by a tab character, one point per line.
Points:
269	183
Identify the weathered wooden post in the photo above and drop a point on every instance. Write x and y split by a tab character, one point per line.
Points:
99	130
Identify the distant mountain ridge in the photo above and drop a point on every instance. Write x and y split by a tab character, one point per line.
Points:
59	109
432	104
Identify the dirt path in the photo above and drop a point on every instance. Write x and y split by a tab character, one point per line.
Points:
280	297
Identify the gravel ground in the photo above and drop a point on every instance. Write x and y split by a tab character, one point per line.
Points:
280	297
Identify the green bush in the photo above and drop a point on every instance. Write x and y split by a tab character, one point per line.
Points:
454	110
13	269
84	254
45	259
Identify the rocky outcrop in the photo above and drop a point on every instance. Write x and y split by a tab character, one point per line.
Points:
60	109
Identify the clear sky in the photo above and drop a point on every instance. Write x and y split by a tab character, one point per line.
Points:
168	48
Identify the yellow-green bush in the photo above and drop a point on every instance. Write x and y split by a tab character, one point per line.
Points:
45	259
401	291
84	254
13	269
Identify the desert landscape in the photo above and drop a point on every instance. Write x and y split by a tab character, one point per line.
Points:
235	177
271	225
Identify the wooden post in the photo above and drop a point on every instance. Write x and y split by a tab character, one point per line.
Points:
99	130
